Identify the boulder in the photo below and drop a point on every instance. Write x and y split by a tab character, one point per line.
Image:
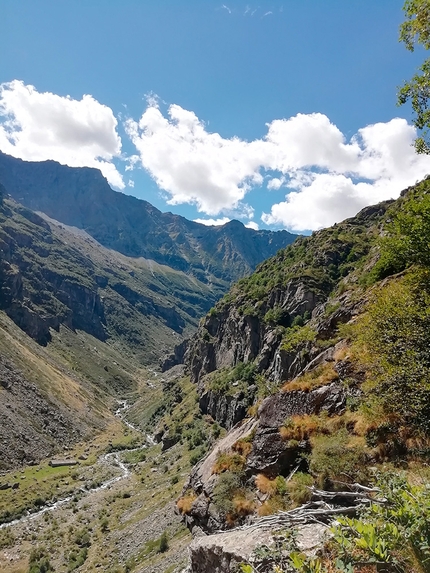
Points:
223	552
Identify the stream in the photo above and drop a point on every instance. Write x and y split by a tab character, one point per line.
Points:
112	458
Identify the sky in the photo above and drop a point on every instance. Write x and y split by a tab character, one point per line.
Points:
281	114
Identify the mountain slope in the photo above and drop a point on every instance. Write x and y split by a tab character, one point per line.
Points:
318	367
81	197
52	275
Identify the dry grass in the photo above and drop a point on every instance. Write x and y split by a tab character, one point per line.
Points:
228	462
322	375
243	447
265	485
243	506
303	427
272	505
185	503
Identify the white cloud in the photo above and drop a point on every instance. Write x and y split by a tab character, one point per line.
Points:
383	163
252	225
275	183
193	165
38	126
328	177
213	222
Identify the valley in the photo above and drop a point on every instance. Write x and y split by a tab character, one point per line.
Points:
193	426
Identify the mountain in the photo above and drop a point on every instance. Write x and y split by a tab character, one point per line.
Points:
307	386
82	198
317	366
58	283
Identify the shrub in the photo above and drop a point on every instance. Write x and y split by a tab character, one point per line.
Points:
39	561
164	543
242	505
298	488
265	484
184	503
243	446
227	487
232	462
333	459
297	336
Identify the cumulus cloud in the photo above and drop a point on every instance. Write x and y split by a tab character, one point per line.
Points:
213	222
252	225
193	165
325	176
38	126
383	163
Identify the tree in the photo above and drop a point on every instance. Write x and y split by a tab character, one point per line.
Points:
416	31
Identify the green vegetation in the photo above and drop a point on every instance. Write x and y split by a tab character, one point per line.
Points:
391	537
39	561
415	30
297	336
232	380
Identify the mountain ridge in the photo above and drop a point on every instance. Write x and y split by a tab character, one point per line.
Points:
215	255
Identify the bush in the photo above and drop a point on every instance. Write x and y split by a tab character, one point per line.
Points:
333	459
226	488
229	462
185	503
297	336
298	488
396	335
164	543
39	561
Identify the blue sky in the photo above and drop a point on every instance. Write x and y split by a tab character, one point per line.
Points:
281	114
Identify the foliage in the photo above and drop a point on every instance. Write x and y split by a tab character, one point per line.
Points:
396	532
298	488
164	543
334	458
228	485
39	561
224	381
297	336
185	503
396	333
407	240
416	30
232	462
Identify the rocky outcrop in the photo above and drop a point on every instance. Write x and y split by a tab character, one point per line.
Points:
223	552
270	454
176	358
226	409
203	515
228	337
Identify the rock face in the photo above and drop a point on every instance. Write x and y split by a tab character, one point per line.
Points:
226	338
223	552
51	276
203	515
272	455
214	255
225	409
